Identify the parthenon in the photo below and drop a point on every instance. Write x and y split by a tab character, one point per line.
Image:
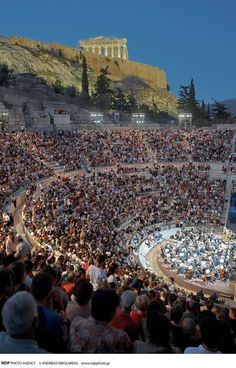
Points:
110	47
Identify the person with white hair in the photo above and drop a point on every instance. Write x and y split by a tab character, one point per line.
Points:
19	316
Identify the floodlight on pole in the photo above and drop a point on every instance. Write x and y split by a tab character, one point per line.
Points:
185	120
96	118
138	119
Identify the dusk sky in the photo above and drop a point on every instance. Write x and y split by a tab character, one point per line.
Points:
187	38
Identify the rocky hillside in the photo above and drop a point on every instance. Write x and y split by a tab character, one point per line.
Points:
53	61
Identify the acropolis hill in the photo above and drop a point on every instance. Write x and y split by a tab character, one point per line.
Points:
54	61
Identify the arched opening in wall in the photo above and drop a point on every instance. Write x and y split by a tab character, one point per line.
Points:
96	50
103	51
90	49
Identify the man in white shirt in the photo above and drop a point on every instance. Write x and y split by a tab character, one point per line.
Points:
210	334
96	273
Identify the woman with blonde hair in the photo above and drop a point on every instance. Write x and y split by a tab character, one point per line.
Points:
142	303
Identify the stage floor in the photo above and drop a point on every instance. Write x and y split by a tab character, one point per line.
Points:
150	258
224	289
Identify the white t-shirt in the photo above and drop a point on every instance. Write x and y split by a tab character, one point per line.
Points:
97	276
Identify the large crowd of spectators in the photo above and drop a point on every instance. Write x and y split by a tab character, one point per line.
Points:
198	145
93	207
82	287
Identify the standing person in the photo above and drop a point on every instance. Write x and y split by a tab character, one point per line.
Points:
122	319
158	328
111	277
80	305
142	303
210	334
23	249
11	243
6	289
94	334
96	273
50	331
20	326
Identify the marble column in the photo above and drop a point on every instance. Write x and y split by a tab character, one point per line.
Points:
109	48
125	53
118	50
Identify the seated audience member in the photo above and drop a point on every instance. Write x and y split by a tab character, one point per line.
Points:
94	334
210	335
80	305
122	319
19	317
50	332
158	328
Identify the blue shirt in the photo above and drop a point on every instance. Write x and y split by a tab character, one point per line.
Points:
11	345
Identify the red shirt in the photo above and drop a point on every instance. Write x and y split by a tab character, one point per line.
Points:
137	316
123	321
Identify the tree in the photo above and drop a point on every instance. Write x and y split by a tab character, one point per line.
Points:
203	106
103	92
4	75
201	112
119	101
71	91
208	112
219	110
131	104
85	85
187	101
102	85
58	88
192	102
183	101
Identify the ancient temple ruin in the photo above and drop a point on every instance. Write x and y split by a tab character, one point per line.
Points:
110	47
